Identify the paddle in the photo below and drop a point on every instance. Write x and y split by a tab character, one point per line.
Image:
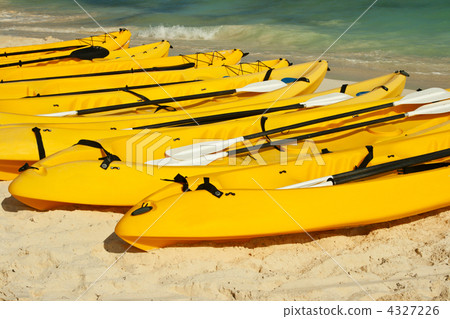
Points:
370	171
257	87
427	109
203	148
73	47
316	101
71	76
123	88
89	53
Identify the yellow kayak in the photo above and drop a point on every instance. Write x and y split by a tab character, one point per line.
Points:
119	66
90	183
296	93
15	53
100	82
147	51
19	144
109	43
152	50
200	215
186	95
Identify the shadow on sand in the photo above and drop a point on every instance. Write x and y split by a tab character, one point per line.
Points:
116	245
12	205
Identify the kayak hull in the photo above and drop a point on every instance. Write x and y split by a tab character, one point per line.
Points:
199	216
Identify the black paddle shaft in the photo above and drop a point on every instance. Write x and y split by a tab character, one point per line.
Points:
123	88
73	47
132	71
317	121
316	134
89	53
387	167
219	117
154	102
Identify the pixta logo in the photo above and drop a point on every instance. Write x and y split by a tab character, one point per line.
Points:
143	148
149	150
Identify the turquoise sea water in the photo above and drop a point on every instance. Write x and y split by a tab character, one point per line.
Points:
394	34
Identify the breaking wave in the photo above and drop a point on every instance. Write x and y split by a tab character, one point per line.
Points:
179	32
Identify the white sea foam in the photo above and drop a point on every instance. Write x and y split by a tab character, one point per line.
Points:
251	36
179	32
20	17
63	30
15	18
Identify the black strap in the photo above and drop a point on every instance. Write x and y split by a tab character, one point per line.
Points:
40	144
303	79
263	128
107	160
207	186
268	73
142	97
181	180
422	167
366	160
343	88
381	87
165	107
26	167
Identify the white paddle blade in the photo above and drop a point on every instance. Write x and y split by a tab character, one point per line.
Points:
200	149
322	181
261	87
432	108
425	96
166	161
327	99
61	114
199	161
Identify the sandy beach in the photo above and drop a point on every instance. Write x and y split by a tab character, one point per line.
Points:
57	255
65	254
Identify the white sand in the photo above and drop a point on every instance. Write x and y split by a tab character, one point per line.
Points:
56	255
